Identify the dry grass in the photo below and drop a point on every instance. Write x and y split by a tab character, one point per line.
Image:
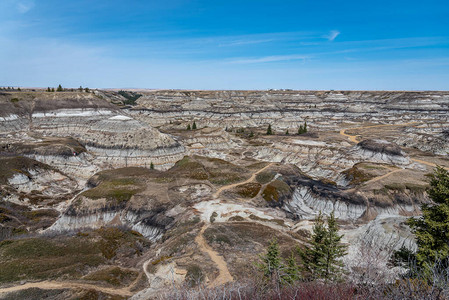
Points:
114	276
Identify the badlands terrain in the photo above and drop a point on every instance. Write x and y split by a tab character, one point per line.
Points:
107	195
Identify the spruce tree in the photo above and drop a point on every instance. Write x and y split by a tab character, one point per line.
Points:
305	127
269	132
87	90
333	265
312	254
48	89
151	166
432	229
291	270
59	89
53	89
271	262
80	88
287	132
188	127
194	125
322	258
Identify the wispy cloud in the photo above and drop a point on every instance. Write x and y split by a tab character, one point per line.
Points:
245	42
267	59
332	35
25	6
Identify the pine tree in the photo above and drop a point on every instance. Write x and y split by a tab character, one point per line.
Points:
80	88
269	132
48	89
87	90
59	89
19	89
333	265
151	166
53	89
271	262
305	127
188	127
287	132
432	229
312	254
291	270
194	125
322	259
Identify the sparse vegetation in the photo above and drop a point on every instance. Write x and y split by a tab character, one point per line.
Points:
130	97
114	276
248	190
276	190
302	128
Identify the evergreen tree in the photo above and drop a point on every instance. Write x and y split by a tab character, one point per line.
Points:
87	90
305	127
188	127
333	265
80	88
322	259
432	229
312	254
52	89
151	166
194	125
291	270
271	262
287	132
19	89
59	89
269	132
48	89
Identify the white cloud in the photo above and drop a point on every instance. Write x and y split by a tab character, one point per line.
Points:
332	35
25	6
265	59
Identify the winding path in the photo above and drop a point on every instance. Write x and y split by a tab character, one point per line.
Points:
353	138
56	285
224	275
230	186
223	272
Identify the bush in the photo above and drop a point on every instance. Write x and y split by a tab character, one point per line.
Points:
194	275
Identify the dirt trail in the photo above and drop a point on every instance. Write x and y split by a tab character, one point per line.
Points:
55	285
230	186
353	138
427	163
384	176
224	276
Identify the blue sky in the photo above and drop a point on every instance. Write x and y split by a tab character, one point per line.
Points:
194	44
